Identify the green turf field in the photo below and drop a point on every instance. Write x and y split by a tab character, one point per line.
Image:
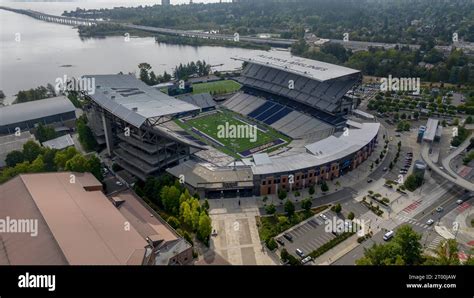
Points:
218	87
210	126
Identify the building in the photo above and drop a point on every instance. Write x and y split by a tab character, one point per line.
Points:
131	119
57	111
305	100
309	84
419	169
13	142
431	128
165	2
59	143
71	222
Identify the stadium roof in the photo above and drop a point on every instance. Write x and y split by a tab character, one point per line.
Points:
133	101
316	70
319	153
37	109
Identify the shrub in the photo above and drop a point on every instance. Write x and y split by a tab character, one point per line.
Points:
271	244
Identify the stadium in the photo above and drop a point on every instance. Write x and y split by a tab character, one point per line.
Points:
288	127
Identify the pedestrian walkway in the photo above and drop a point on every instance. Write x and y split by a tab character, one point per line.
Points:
435	243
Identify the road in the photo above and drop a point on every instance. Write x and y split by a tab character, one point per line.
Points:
418	223
448	176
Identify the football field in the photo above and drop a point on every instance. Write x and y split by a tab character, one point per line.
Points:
236	135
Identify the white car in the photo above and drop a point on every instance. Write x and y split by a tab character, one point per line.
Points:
306	260
459	202
429	222
118	183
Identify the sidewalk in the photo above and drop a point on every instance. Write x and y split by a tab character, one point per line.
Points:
338	251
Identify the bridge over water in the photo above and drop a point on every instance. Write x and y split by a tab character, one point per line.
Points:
52	18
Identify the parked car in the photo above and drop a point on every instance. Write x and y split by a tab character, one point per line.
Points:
280	241
300	253
306	260
288	237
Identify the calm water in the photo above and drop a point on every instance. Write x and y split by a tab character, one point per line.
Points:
47	51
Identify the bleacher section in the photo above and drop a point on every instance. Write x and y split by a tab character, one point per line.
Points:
326	95
292	123
203	100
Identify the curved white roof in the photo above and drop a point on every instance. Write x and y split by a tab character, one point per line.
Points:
321	152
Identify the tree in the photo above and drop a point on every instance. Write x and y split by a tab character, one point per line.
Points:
13	158
351	215
306	204
289	208
404	249
409	242
63	156
311	190
270	209
77	164
45	133
413	182
86	137
337	208
324	186
205	227
446	253
469	120
173	221
94	167
31	150
282	194
37	166
170	199
205	205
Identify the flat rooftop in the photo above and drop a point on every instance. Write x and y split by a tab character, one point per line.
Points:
76	226
313	69
37	109
431	128
133	101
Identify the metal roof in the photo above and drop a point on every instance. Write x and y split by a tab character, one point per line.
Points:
37	109
313	69
133	101
322	152
60	142
431	128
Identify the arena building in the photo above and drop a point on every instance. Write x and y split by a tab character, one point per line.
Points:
298	106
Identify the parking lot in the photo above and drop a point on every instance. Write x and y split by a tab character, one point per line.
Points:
393	174
307	236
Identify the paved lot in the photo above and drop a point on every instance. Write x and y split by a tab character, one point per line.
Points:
237	239
309	235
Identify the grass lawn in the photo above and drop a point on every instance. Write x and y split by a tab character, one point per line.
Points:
210	126
218	87
269	226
